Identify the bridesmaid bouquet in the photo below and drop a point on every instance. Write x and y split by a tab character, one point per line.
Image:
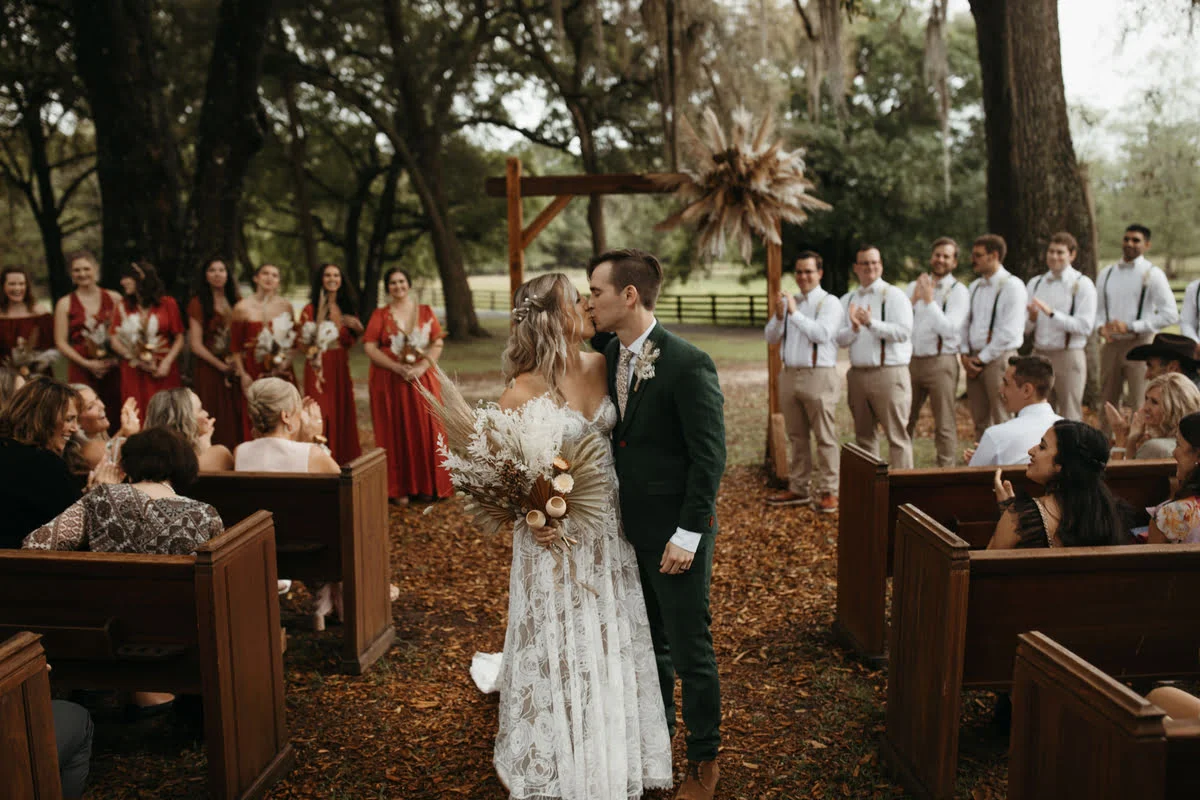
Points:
514	464
95	338
316	341
273	347
220	348
410	348
25	359
138	332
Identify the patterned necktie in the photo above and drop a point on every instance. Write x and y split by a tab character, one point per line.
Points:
623	379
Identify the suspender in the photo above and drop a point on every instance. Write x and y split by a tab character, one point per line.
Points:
945	301
1141	297
1037	284
816	314
883	318
995	306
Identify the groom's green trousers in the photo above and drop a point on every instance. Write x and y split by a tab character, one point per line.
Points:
677	606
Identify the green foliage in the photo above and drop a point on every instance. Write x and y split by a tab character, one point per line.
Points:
882	172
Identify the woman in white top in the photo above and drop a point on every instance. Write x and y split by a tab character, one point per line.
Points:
285	427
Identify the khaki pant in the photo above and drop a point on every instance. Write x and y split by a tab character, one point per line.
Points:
936	377
882	396
983	394
1115	372
1070	376
808	399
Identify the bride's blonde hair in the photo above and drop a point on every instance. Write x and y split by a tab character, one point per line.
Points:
540	341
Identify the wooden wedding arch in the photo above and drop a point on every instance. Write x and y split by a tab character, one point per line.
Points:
563	188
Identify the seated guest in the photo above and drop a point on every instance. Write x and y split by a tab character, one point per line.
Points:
144	515
180	410
1024	390
1168	352
284	427
34	429
1178	519
91	445
73	738
10	381
1077	509
1150	433
1177	703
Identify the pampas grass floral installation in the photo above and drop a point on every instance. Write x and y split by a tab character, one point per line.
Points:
738	188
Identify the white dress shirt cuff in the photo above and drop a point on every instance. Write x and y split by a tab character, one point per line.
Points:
688	540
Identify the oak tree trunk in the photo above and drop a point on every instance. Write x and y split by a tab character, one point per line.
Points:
46	207
377	247
297	151
136	159
231	129
1034	187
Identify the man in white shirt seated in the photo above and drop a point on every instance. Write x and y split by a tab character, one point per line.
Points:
1024	388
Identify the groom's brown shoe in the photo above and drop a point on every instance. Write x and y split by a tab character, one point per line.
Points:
701	781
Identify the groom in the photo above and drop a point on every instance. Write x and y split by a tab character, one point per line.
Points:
669	448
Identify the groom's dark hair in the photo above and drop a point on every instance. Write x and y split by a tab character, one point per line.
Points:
635	268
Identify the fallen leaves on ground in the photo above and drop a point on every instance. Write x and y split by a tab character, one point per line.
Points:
802	718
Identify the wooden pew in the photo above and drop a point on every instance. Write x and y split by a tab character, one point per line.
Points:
960	499
205	624
957	612
327	528
28	754
1078	734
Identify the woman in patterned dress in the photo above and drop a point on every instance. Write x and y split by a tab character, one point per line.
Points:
147	334
22	328
333	300
403	341
250	316
214	376
82	321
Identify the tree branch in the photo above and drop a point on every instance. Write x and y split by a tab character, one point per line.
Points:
533	136
75	183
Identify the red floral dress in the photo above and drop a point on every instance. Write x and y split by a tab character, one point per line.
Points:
139	383
334	390
404	426
220	396
79	325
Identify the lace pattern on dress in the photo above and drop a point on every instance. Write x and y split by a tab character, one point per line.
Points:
1031	521
581	713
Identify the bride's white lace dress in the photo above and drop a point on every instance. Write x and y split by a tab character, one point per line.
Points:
581	713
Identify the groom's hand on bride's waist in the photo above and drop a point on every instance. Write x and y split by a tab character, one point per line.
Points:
675	560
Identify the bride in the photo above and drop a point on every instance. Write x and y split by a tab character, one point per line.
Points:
581	713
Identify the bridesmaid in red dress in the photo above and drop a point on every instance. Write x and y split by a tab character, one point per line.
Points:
250	316
214	377
333	300
22	328
148	335
403	341
82	321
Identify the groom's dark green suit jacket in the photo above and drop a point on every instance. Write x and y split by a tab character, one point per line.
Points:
669	447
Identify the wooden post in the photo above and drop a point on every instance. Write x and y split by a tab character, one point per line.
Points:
516	222
776	429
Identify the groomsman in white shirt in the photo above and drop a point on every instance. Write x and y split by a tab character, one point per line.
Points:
1062	311
1027	383
1189	314
878	330
810	387
939	311
1134	302
995	328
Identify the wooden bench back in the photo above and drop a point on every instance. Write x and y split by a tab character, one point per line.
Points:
206	623
1066	713
957	612
327	528
28	754
960	499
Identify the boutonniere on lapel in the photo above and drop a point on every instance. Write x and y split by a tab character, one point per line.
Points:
644	370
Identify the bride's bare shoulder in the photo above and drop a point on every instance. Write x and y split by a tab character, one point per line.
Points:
523	388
